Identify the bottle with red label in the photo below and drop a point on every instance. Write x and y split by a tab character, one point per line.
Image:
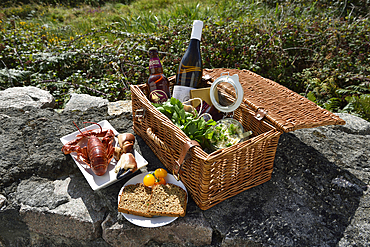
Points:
159	87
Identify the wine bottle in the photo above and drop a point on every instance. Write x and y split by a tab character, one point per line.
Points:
190	69
158	85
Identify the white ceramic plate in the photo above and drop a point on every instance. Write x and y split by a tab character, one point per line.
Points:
99	182
155	221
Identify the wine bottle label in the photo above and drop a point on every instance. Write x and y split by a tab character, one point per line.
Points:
154	63
187	69
158	96
189	76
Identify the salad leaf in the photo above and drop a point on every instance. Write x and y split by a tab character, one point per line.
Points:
195	128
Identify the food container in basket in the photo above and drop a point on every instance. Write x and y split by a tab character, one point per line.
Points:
219	85
228	132
268	110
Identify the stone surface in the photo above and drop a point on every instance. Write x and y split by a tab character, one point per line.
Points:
308	202
2	201
20	97
119	107
65	203
318	194
354	125
83	102
193	230
348	148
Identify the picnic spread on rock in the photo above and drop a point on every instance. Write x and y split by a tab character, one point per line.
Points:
215	131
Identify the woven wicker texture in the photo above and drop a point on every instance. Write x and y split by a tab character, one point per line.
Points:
212	178
286	109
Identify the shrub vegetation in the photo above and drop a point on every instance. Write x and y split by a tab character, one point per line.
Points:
320	49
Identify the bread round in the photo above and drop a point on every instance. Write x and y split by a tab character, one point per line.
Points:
135	200
160	200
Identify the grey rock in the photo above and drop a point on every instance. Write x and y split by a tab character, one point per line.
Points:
318	194
31	145
3	116
64	208
13	232
192	230
354	125
83	102
2	201
20	97
40	193
119	107
347	148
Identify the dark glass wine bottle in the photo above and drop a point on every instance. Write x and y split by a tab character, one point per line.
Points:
190	70
158	85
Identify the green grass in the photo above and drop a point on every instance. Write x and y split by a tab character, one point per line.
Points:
320	49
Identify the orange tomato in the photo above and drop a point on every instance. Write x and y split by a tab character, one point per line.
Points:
160	173
149	180
160	181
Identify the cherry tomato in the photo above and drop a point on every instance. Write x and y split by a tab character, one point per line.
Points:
149	180
160	173
160	181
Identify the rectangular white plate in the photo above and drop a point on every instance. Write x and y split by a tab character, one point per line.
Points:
99	182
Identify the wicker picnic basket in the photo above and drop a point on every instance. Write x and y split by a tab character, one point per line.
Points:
269	109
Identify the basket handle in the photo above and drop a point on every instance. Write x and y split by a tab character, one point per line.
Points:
140	114
184	155
176	170
156	140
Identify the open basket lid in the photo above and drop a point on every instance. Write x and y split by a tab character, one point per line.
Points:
286	109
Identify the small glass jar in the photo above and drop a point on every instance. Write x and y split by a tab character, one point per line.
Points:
228	132
223	83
